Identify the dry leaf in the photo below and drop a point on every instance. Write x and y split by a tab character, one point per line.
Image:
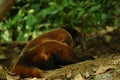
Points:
116	62
103	69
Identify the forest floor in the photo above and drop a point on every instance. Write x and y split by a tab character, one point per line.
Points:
100	59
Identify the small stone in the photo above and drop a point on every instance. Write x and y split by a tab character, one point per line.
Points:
78	77
105	76
69	75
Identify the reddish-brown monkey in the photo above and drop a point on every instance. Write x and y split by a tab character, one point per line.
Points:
48	51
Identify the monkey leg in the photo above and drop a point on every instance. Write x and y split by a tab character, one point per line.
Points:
25	71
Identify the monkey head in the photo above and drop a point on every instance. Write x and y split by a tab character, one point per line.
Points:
75	35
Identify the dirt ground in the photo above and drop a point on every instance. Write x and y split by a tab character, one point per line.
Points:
99	59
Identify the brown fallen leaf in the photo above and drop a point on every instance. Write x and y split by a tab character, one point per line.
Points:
2	73
103	69
116	62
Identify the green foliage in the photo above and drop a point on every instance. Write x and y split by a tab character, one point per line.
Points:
30	17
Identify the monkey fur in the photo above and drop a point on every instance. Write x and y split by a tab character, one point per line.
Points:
47	51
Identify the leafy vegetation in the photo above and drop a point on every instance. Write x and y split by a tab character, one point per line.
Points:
28	18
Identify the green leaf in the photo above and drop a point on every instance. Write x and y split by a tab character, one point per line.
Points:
95	8
30	20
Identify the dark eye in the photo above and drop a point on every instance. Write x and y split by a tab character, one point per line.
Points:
77	40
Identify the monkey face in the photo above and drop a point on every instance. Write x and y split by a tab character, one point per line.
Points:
77	40
75	35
